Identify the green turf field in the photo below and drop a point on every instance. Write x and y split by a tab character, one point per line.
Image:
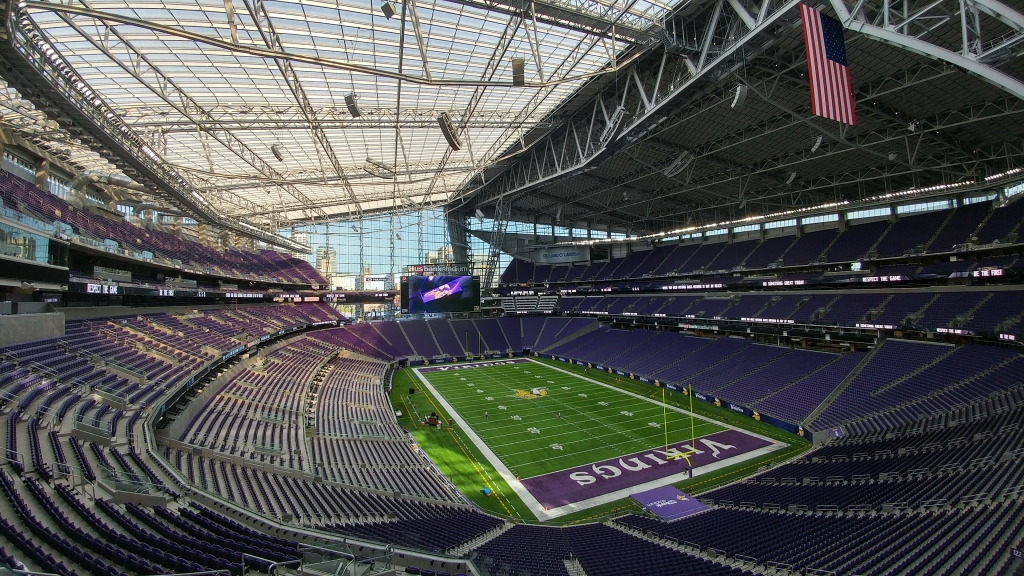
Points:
463	461
572	422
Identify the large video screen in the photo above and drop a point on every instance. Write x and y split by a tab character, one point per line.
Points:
427	294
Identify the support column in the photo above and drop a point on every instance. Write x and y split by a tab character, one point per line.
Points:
42	171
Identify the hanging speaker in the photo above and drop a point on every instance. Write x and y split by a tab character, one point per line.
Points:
740	97
519	71
445	121
353	105
388	9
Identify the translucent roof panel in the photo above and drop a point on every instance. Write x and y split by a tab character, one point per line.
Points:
247	101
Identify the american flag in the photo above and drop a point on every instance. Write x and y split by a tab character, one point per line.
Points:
831	94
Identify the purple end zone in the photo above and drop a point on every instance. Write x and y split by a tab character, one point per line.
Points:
457	367
669	503
583	482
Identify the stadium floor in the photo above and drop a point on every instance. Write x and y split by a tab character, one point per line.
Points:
564	442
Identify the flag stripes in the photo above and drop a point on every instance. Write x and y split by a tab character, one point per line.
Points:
831	91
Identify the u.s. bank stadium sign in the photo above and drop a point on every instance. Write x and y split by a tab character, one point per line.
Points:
561	256
447	269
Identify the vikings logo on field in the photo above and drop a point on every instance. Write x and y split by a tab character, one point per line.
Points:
531	393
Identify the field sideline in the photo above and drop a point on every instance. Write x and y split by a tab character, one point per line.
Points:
563	442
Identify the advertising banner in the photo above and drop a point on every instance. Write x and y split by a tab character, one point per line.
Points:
562	255
668	503
449	269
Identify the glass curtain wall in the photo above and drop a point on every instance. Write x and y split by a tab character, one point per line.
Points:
373	252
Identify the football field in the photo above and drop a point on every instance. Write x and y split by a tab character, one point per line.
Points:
564	442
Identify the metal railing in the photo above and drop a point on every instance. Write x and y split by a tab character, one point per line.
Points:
342	561
270	564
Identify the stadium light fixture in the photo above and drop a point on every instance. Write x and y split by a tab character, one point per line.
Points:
352	102
678	165
379	169
1009	172
739	97
275	149
519	71
792	176
817	144
450	132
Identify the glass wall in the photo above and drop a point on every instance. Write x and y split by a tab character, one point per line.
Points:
18	243
20	167
372	252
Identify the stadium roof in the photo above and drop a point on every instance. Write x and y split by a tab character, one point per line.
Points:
246	100
236	108
938	103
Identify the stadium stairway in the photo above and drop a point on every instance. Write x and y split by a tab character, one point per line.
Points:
399	332
738	562
877	310
563	338
914	373
846	382
574	567
822	255
873	248
938	230
964	318
480	540
433	337
877	420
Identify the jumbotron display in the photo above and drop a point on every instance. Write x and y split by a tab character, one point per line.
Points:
434	294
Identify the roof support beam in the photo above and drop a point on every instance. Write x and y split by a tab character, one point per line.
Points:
534	40
35	67
745	16
420	40
965	59
592	18
147	73
261	18
326	63
529	172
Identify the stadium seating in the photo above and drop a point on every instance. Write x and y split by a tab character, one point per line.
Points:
153	243
953	475
915	234
933	445
983	311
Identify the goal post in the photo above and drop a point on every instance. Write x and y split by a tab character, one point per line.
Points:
664	409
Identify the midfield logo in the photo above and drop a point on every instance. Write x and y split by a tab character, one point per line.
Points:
531	393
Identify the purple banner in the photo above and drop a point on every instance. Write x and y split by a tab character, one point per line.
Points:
668	503
457	367
577	484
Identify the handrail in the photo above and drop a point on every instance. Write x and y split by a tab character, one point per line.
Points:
204	573
272	565
108	362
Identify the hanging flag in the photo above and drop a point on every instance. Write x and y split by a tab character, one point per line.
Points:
831	92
